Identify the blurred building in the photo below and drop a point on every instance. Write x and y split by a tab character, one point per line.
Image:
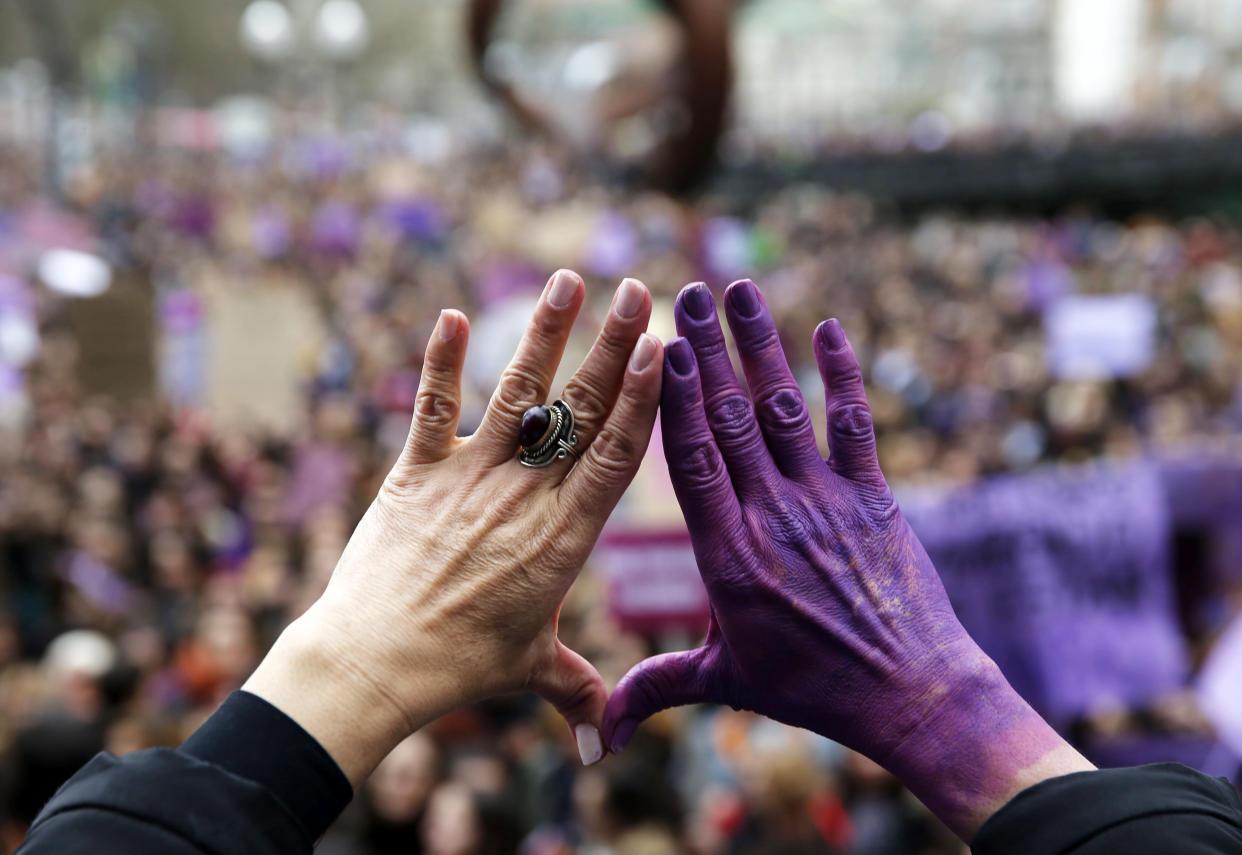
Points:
806	70
808	67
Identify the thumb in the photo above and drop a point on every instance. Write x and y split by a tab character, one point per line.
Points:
575	688
655	684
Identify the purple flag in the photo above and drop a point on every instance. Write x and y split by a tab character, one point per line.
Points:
1063	578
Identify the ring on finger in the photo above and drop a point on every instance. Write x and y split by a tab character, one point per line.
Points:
547	435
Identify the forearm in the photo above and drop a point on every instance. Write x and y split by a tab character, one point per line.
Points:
978	745
311	676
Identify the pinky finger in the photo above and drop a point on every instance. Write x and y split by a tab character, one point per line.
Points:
437	407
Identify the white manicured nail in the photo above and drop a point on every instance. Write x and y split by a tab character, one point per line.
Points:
590	748
561	290
629	299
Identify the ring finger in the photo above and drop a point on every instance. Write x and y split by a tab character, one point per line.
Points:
526	381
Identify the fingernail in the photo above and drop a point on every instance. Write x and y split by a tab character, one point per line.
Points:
680	356
643	353
561	291
832	334
621	735
698	301
629	299
745	299
448	326
590	748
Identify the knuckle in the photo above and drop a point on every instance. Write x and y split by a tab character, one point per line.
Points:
579	697
613	344
396	494
761	341
731	416
545	326
435	408
615	452
847	375
588	405
881	504
783	408
710	346
794	528
652	690
851	421
701	466
520	388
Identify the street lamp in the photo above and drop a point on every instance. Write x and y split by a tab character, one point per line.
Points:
341	30
73	273
307	42
267	30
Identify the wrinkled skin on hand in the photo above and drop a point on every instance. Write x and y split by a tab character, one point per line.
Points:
827	613
449	589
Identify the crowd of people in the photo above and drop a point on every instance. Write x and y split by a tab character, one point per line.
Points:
151	553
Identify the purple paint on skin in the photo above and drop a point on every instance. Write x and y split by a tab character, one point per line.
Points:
827	613
698	302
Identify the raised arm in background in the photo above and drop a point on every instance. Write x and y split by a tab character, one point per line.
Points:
827	613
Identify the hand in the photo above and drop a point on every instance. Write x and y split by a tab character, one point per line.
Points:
826	611
449	588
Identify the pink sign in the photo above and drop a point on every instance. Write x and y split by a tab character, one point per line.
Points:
653	580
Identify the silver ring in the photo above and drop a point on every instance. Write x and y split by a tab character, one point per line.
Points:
547	435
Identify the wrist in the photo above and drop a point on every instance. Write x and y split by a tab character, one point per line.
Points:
324	681
972	743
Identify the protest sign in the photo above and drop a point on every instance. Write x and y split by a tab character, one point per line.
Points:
652	579
1100	337
1218	687
259	344
115	335
1062	578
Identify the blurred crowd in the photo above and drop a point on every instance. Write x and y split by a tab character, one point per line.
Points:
150	555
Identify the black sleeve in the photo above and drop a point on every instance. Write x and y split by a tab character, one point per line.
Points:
1159	809
249	780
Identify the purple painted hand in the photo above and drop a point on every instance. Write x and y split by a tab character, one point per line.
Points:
826	611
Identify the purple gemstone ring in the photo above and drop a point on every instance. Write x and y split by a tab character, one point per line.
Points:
547	435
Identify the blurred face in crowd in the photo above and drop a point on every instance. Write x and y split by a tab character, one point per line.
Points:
172	563
227	637
483	772
452	826
590	796
399	787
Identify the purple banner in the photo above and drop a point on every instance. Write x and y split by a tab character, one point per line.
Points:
1063	578
1204	487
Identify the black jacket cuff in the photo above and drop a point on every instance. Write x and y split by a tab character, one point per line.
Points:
254	740
1065	813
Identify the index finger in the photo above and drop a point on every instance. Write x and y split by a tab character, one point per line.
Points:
700	479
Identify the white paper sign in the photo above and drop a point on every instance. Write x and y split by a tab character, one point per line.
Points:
1219	687
1100	337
